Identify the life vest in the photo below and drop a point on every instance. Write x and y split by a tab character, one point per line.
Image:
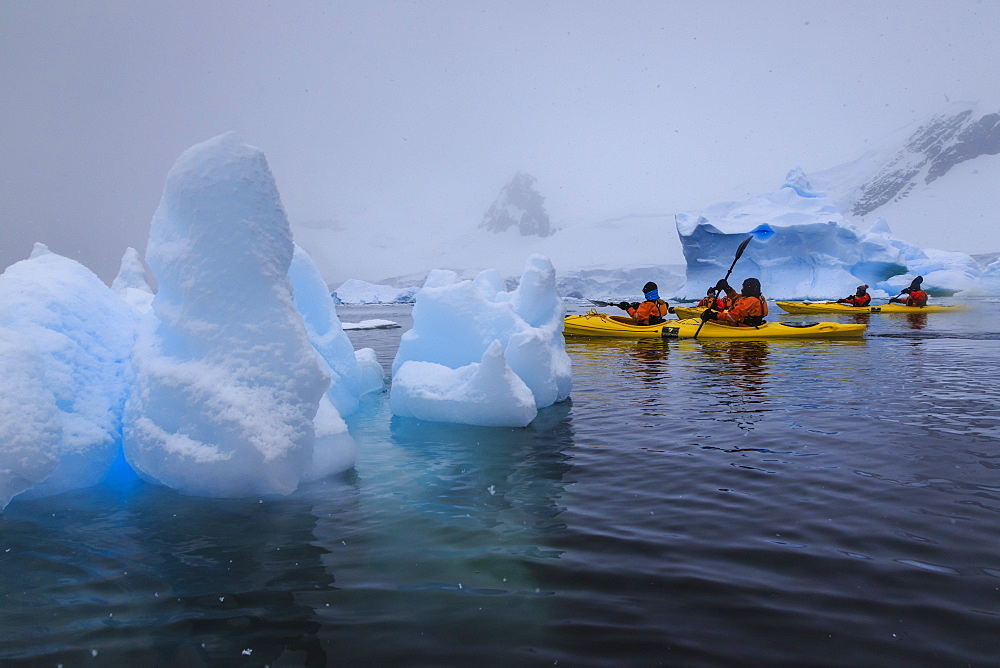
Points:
649	312
745	311
863	300
706	302
917	298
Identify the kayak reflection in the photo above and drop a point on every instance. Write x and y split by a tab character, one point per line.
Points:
742	369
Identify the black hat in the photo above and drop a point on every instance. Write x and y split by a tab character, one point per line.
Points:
649	286
751	287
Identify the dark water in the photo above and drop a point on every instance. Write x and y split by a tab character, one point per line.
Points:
694	503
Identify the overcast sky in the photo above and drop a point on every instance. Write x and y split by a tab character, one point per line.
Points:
417	113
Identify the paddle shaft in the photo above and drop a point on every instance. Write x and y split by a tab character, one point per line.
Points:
739	253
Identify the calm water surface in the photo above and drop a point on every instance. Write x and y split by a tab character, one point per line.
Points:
693	503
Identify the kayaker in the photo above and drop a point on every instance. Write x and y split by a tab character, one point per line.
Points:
747	307
859	298
649	312
915	296
710	299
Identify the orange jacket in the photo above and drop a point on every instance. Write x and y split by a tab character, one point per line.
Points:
720	304
743	308
854	300
646	309
916	298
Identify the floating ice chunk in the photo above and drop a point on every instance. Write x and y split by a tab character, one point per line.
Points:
30	429
131	285
349	378
487	393
374	323
355	291
227	382
65	340
456	322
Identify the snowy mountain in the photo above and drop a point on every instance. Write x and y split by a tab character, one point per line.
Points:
933	150
519	205
936	184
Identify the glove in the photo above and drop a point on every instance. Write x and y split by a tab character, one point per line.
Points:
670	309
722	285
708	315
623	306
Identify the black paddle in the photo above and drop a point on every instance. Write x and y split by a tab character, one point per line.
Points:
711	307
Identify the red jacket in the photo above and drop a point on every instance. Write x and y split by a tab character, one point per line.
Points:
720	304
855	300
916	298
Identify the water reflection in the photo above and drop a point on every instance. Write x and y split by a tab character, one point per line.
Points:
917	320
454	520
742	371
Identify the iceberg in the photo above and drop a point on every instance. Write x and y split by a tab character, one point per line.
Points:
991	278
353	373
230	397
233	377
814	253
131	285
478	354
65	340
355	291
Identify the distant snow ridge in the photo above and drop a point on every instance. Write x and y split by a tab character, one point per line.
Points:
480	355
934	148
230	397
519	205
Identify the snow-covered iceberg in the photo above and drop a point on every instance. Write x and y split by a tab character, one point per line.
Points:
814	253
230	397
480	355
353	373
131	285
65	340
233	379
354	291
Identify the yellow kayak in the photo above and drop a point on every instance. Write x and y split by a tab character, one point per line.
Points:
833	307
686	329
601	324
683	312
593	323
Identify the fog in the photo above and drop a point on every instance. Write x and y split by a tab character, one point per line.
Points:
398	115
